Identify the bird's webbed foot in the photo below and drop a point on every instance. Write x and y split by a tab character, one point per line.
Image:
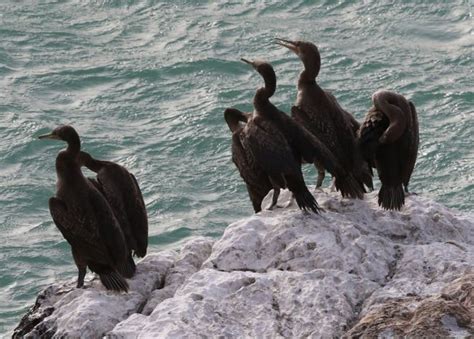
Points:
333	185
407	193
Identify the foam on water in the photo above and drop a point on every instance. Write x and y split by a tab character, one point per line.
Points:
146	84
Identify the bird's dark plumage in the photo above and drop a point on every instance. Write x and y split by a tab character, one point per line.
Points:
257	182
413	147
121	190
389	139
269	149
85	218
300	143
319	112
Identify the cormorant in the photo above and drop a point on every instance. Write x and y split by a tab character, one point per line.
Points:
255	178
121	190
307	147
85	218
271	136
389	139
269	148
321	114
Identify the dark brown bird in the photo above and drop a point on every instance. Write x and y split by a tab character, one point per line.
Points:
254	176
121	190
85	218
279	145
389	138
268	149
321	114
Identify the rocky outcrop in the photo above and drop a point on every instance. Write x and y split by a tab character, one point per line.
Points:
449	313
62	310
353	271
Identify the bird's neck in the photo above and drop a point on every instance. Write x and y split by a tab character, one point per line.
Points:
261	100
93	164
307	78
263	94
310	71
67	167
74	146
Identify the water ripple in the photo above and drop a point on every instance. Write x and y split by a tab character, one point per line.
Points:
146	84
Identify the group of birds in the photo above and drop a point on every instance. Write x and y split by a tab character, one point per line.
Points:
104	219
269	147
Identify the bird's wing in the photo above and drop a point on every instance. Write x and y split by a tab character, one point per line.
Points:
124	196
347	124
415	126
139	219
311	150
96	184
112	187
109	230
300	116
268	148
248	169
370	131
355	125
107	179
349	119
413	144
310	147
84	242
254	177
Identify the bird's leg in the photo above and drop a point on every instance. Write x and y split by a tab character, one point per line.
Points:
321	174
333	185
81	265
408	193
276	194
81	276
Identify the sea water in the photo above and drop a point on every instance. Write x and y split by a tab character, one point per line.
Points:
145	83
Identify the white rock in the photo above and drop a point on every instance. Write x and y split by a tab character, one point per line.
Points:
248	304
353	270
93	311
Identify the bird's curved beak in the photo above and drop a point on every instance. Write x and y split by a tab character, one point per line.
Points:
291	45
49	136
246	61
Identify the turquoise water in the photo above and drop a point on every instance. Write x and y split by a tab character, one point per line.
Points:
146	83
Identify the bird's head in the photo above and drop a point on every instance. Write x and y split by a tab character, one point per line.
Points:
305	50
64	132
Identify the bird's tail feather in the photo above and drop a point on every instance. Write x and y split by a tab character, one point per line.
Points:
114	281
391	197
349	186
127	268
304	199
